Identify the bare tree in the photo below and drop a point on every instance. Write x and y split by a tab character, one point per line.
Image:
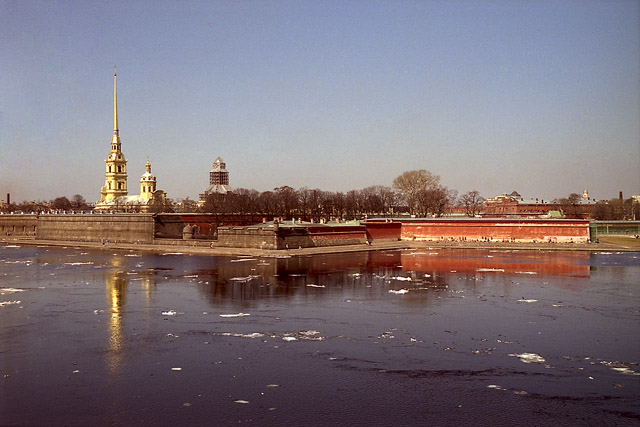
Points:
79	203
472	202
413	185
61	203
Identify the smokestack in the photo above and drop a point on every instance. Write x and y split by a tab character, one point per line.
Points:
8	198
621	195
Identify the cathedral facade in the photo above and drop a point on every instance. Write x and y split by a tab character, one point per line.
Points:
114	194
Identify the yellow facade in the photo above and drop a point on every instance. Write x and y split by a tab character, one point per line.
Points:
147	184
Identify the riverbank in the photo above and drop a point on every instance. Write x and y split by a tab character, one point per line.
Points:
621	244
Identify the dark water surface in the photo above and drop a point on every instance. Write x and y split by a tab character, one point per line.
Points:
432	337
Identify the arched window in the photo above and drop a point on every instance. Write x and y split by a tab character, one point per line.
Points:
109	168
119	186
119	169
144	189
109	186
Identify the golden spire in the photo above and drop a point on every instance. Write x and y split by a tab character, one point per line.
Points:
115	103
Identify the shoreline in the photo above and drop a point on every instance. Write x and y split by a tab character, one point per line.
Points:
162	247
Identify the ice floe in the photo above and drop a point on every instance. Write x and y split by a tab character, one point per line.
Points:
528	357
169	313
526	272
622	367
235	315
398	292
401	278
243	259
5	291
3	303
490	269
252	335
527	300
244	279
311	285
79	263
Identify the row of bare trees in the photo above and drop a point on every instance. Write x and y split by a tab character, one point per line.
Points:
77	203
314	203
416	192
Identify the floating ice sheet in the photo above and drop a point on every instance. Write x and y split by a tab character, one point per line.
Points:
3	303
5	291
235	315
529	357
398	292
244	279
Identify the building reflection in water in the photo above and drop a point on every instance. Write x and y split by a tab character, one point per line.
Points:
117	281
368	273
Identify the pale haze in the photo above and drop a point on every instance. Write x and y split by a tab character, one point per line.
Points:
542	97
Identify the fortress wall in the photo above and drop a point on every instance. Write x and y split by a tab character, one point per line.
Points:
18	225
383	231
501	230
337	235
290	237
247	237
170	225
129	228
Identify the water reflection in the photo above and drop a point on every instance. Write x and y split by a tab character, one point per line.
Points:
117	281
370	273
116	299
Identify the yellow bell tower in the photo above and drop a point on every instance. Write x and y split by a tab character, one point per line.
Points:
116	166
147	183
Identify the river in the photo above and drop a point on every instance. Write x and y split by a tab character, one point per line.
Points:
411	337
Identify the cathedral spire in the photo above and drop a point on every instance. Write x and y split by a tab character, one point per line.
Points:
115	104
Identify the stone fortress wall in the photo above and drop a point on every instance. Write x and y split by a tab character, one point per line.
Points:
208	229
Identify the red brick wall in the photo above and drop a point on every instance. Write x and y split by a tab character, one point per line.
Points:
556	263
384	230
496	229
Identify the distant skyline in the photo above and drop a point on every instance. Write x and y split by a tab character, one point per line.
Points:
539	97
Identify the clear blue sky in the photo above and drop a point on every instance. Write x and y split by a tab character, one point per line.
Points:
542	97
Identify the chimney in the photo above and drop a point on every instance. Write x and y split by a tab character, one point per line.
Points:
8	198
621	195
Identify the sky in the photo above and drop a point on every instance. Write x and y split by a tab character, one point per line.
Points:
541	97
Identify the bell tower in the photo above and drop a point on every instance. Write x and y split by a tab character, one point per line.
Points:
147	183
116	166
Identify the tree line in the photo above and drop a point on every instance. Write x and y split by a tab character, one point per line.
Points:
416	192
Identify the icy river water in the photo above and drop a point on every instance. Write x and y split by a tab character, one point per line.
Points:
412	337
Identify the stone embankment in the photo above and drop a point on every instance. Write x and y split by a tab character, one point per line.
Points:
176	246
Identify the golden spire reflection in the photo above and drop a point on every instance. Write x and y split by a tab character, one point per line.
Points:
116	296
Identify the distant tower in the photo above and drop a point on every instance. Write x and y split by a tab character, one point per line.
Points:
116	172
585	195
147	183
218	180
219	174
